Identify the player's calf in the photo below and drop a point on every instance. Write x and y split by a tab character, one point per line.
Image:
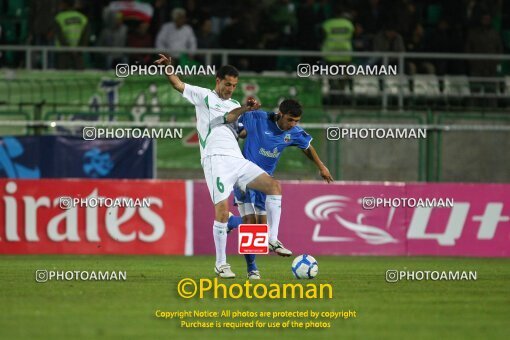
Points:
221	212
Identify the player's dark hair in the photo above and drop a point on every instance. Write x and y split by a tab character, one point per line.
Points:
227	70
291	107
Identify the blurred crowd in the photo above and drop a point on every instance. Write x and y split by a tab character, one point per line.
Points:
456	26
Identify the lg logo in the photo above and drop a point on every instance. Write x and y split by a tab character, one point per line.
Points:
253	239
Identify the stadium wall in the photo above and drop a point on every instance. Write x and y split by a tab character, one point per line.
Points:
317	218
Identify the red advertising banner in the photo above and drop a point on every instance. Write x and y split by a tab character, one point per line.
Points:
317	218
382	219
203	219
32	220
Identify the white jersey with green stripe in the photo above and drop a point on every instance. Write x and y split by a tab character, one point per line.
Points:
216	137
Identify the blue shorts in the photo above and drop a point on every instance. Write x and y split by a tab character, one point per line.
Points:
257	198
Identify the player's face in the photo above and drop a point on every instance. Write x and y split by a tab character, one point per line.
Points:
287	122
225	87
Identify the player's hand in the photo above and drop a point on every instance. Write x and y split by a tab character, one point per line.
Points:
252	104
326	175
163	60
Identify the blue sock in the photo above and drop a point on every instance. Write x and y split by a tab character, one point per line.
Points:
234	222
250	262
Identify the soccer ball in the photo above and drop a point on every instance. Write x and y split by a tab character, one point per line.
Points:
305	267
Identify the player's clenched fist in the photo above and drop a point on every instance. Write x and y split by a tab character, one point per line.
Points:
252	104
163	60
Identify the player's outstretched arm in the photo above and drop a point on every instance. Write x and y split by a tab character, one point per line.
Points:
250	105
314	157
174	80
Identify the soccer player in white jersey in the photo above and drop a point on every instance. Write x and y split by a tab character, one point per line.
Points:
221	158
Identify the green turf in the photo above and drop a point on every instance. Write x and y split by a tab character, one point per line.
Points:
418	309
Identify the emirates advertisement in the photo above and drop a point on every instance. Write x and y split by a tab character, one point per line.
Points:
93	217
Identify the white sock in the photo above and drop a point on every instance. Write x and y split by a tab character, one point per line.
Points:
274	211
220	242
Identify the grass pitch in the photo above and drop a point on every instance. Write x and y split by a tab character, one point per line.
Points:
125	309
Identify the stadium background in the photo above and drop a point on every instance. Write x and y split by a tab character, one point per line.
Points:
450	81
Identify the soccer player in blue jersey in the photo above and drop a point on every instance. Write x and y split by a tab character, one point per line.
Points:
267	135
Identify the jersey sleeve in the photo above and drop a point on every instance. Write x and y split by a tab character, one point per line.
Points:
242	118
194	94
302	140
247	117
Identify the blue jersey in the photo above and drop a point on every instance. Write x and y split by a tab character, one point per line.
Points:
266	141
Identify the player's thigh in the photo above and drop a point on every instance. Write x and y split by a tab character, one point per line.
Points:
220	176
248	173
265	184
